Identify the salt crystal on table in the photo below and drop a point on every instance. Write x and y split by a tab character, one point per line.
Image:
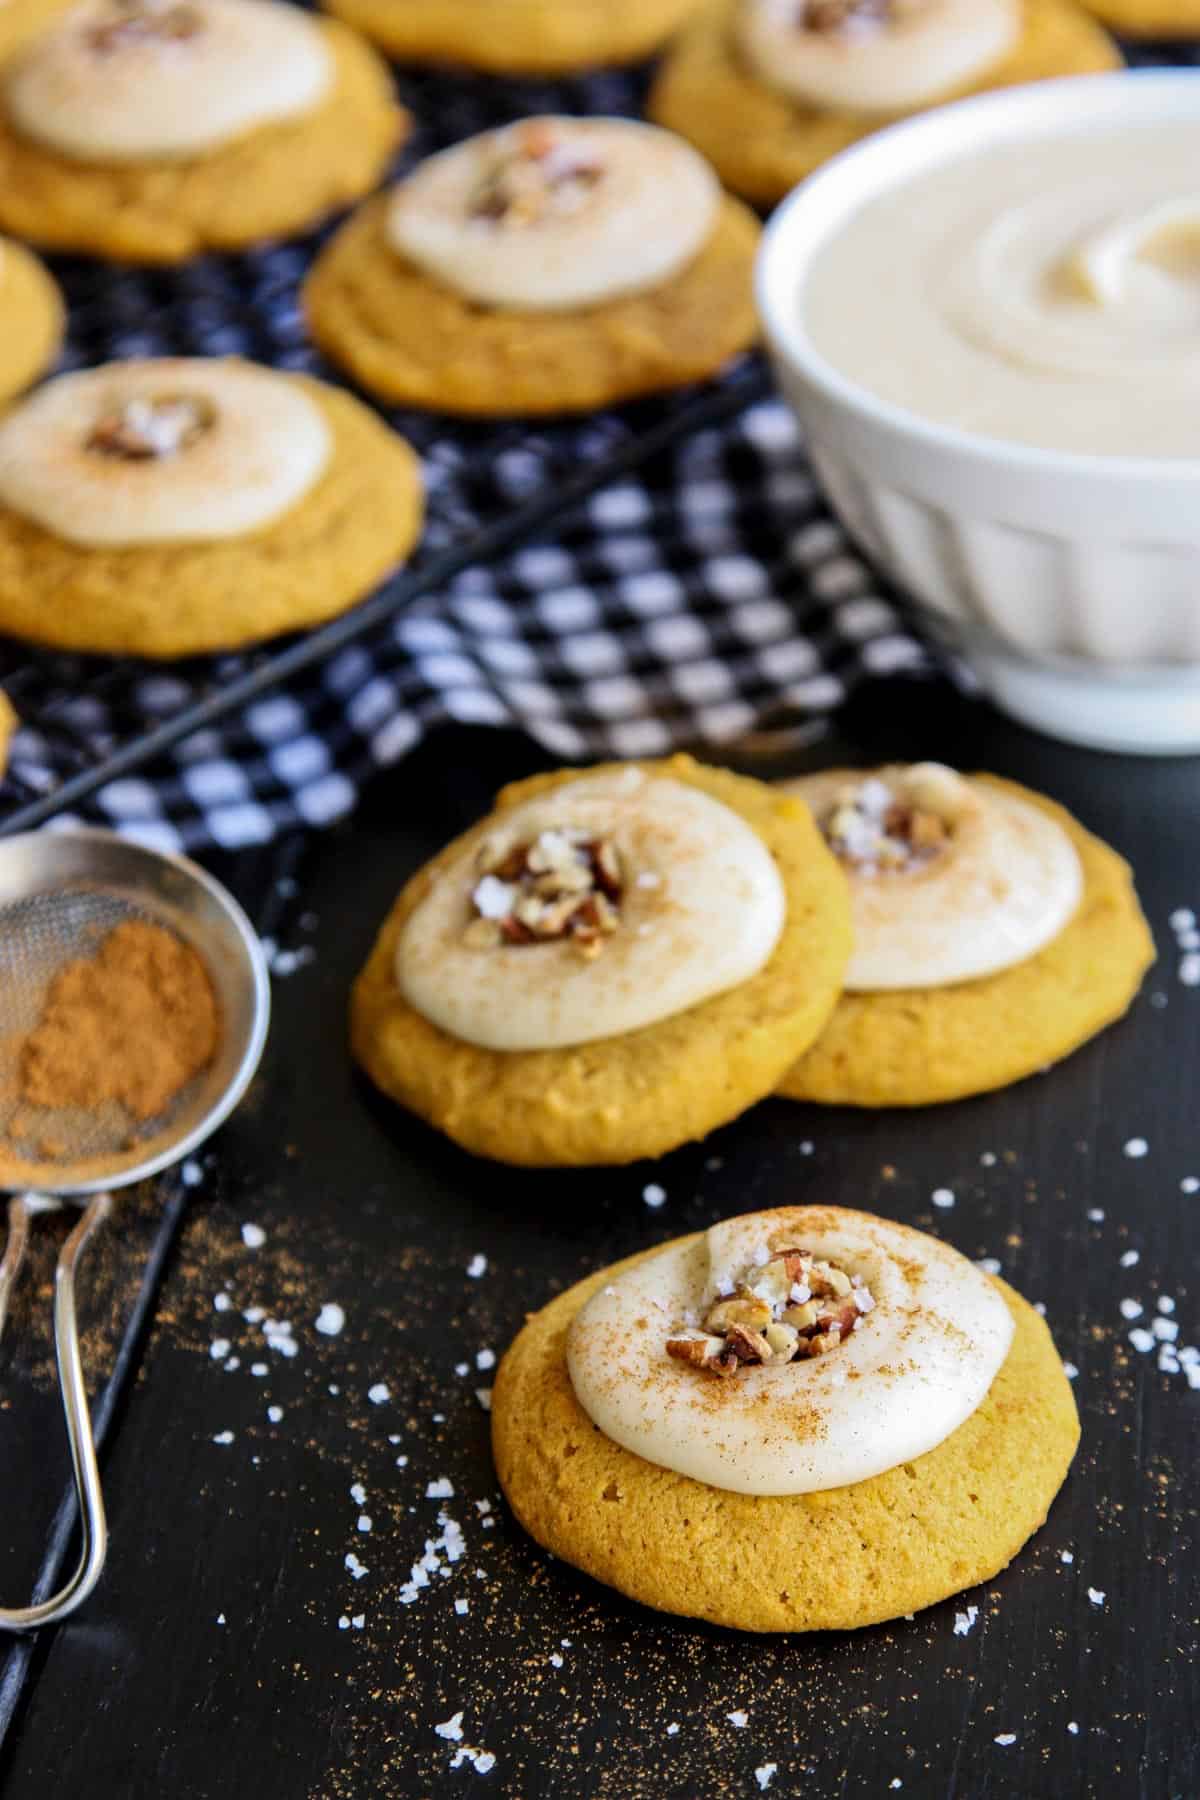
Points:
358	1493
1005	1738
221	1302
223	1437
1096	1214
1130	1259
963	1621
942	1197
653	1195
1141	1339
484	1397
477	1266
1136	1147
451	1729
739	1720
765	1775
441	1489
462	1606
330	1319
364	1522
672	1731
1165	1303
1096	1596
379	1393
274	1413
219	1349
356	1568
1131	1309
1068	1556
253	1236
485	1359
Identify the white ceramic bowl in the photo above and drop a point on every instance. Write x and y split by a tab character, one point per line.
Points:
1070	582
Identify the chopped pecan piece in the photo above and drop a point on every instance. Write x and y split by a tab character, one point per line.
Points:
562	884
788	1306
845	18
149	429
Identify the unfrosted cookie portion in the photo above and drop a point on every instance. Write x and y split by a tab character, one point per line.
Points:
639	1092
32	319
415	341
21	20
914	1046
269	181
518	37
762	142
835	1559
8	724
351	525
1148	18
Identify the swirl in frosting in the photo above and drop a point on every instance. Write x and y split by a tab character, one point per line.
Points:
605	905
553	214
926	1344
950	879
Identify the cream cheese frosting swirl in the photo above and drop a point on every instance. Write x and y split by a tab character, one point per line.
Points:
130	80
950	879
606	905
917	1365
874	55
552	214
161	451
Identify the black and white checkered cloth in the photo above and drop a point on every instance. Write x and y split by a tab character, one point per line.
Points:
677	608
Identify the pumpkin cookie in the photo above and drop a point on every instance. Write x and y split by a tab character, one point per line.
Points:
993	935
800	1420
517	37
556	265
611	964
167	507
768	100
151	130
32	316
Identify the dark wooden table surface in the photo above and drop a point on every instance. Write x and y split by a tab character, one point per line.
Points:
265	1629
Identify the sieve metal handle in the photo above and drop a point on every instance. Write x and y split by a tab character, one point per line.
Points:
92	1524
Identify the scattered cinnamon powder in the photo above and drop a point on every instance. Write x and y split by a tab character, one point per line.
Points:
132	1023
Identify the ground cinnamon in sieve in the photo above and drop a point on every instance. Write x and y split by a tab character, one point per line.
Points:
132	1023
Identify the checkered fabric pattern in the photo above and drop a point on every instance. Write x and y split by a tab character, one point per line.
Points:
678	608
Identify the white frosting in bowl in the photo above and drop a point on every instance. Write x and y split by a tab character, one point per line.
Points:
874	55
998	882
552	214
700	910
125	80
917	1365
166	450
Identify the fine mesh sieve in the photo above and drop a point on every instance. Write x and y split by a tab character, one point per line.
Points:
61	893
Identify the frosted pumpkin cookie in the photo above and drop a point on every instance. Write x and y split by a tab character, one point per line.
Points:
993	935
770	89
808	1419
517	37
611	964
32	317
181	505
555	265
151	130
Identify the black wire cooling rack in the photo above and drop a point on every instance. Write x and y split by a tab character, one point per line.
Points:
490	486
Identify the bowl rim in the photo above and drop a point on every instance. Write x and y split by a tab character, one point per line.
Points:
809	215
